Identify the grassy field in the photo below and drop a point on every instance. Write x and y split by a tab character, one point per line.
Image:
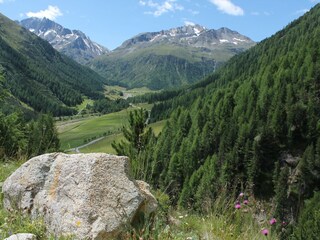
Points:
76	132
84	104
116	92
105	144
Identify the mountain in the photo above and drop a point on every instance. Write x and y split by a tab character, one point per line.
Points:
73	43
170	58
38	77
252	127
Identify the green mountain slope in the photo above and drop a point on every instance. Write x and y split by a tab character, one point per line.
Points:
172	58
39	76
254	126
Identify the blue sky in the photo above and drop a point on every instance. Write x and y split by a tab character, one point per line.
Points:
110	22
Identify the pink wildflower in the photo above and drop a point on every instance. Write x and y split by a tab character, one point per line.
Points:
241	194
237	206
245	202
273	221
265	232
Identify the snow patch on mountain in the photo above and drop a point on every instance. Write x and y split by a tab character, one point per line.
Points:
73	43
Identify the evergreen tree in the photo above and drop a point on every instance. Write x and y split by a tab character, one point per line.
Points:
136	144
43	136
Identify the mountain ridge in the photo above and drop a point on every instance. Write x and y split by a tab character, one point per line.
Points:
73	43
195	35
170	58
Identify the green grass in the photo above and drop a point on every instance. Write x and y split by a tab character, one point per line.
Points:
76	132
16	222
84	104
105	144
114	92
222	222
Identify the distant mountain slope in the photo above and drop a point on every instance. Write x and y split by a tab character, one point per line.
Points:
170	58
39	76
73	43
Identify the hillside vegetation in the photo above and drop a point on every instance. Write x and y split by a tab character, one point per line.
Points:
38	77
252	127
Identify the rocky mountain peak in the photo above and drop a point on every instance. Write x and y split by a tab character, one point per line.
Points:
193	35
73	43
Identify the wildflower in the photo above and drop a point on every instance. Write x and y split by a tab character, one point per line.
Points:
245	202
284	223
237	206
273	221
241	194
265	232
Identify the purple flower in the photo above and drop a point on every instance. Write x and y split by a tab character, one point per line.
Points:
265	232
245	202
237	206
273	221
241	194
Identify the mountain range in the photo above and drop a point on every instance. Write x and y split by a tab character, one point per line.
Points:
157	60
39	78
170	58
72	43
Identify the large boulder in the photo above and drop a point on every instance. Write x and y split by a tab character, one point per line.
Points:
89	196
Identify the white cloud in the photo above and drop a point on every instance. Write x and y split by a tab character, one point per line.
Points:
161	8
228	7
188	23
302	11
52	12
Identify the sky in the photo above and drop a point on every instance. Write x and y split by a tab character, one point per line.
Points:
111	22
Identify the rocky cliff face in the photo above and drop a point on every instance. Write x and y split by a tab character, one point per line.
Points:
90	196
73	43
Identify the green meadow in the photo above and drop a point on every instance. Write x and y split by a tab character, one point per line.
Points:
116	92
77	132
105	144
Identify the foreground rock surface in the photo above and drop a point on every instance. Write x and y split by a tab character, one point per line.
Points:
22	236
84	195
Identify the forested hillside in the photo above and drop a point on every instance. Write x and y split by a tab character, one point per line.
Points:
39	76
253	127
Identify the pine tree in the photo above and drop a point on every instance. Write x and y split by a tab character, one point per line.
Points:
282	209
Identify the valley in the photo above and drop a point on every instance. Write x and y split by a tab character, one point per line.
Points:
76	132
182	133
